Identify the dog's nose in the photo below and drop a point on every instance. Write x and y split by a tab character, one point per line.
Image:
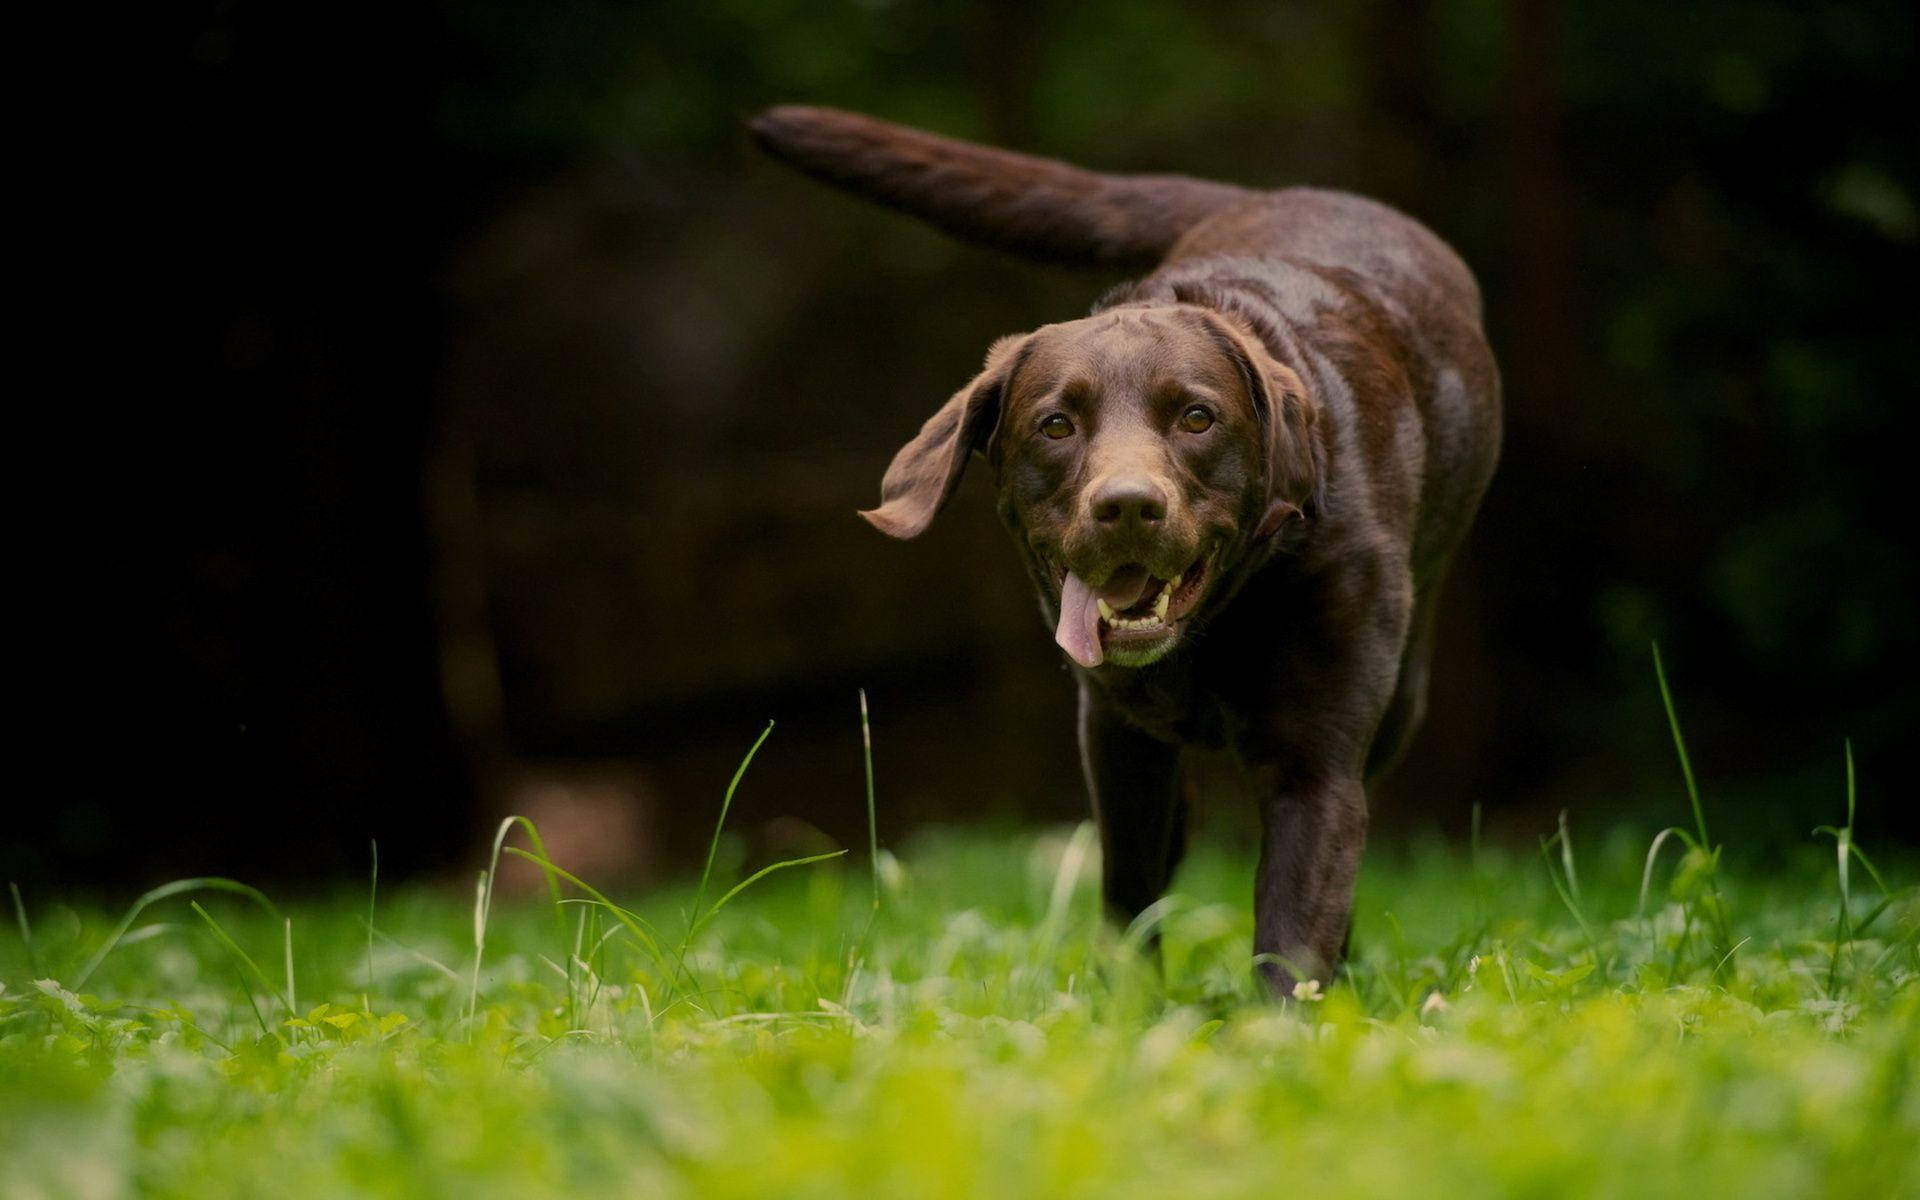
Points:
1128	499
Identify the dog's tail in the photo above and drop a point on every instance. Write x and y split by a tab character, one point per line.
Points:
1034	207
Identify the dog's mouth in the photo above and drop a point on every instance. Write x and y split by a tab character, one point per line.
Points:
1132	618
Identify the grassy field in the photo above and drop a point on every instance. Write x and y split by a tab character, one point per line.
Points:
958	1022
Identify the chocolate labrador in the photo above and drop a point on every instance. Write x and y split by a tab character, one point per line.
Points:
1236	485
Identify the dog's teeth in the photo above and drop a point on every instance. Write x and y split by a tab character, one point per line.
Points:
1106	610
1174	583
1160	604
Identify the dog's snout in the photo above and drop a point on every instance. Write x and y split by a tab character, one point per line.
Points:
1128	499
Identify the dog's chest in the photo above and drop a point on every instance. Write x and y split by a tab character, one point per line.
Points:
1190	700
1242	668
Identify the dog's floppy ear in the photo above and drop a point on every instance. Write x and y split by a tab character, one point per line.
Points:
927	469
1295	463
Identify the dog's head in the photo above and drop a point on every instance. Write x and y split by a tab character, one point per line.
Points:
1141	455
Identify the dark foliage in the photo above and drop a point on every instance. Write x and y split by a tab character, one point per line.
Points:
459	402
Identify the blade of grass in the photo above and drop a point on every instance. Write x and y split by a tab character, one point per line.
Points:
146	932
1843	932
1569	890
26	930
1860	856
873	824
1846	850
1680	746
1729	954
1842	843
1715	906
858	947
164	891
726	803
635	924
286	944
253	968
1566	858
546	866
646	1015
694	918
1653	852
483	896
247	992
638	925
579	942
1066	878
1853	845
424	959
373	894
1865	923
592	965
762	873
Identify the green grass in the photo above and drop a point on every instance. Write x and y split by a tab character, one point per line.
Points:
1634	1017
984	1036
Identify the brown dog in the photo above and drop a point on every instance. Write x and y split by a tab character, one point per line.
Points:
1236	485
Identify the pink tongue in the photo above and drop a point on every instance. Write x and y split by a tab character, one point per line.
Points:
1079	629
1125	586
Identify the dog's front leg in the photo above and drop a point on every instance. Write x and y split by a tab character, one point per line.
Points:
1312	829
1132	781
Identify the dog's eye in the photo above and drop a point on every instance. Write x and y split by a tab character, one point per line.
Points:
1057	426
1197	419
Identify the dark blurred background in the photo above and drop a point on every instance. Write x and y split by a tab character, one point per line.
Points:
451	415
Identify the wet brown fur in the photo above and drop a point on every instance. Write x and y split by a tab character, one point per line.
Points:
1339	343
